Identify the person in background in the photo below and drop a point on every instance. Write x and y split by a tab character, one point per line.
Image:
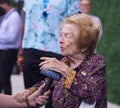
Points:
83	72
86	6
9	101
41	35
10	39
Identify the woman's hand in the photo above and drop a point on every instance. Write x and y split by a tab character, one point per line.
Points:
55	65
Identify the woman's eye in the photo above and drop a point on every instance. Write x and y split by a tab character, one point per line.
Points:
61	35
65	35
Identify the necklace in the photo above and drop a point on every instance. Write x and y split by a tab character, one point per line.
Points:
45	5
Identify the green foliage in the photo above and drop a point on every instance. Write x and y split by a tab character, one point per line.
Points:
109	12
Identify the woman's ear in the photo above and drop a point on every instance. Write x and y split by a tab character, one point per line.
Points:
83	50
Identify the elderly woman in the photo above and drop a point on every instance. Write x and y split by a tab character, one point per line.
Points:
83	72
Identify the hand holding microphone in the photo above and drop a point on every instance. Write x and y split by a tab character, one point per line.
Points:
55	65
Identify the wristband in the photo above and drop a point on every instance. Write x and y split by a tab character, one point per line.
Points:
32	90
69	80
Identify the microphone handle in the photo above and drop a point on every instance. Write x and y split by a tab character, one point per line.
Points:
47	86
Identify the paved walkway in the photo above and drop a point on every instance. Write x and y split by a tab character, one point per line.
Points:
17	86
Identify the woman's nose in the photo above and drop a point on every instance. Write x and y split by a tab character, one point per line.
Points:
61	40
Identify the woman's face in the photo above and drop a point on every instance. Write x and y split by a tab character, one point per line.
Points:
85	6
68	39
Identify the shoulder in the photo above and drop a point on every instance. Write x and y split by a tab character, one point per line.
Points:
15	15
95	64
98	61
95	18
95	61
98	57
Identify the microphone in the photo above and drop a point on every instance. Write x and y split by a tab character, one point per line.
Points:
52	75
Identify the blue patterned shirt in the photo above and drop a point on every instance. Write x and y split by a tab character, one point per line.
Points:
42	22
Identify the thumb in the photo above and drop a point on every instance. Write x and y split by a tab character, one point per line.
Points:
36	93
40	88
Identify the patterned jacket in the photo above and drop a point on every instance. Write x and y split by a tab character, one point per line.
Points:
89	85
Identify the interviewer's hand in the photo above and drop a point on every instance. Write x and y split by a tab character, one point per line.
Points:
20	97
36	98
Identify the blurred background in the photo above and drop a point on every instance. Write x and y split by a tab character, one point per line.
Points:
109	12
